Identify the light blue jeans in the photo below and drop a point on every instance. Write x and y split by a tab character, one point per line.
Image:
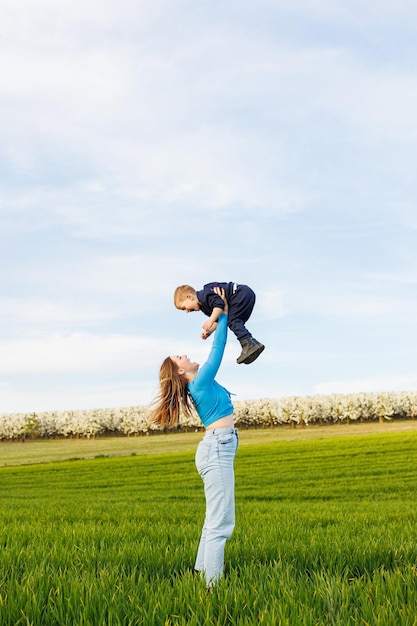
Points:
214	461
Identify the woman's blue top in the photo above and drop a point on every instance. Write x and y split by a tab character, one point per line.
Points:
211	400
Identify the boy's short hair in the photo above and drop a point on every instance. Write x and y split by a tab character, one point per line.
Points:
181	292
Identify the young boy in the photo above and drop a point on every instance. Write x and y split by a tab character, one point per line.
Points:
241	301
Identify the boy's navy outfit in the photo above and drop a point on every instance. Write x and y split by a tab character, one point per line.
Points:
241	300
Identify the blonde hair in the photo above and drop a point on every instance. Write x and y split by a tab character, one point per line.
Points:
172	398
181	292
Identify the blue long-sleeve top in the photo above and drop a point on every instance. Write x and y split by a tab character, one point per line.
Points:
211	400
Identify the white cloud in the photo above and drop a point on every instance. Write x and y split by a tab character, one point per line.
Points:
406	277
80	353
83	353
79	288
368	306
102	115
72	396
395	382
38	311
139	274
350	12
271	304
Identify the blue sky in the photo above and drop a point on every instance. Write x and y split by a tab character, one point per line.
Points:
149	144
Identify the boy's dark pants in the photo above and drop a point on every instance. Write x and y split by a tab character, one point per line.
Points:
240	308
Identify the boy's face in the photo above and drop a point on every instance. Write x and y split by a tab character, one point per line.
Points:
190	303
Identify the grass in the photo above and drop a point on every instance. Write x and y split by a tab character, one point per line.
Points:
326	535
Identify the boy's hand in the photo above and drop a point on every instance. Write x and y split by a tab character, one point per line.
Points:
208	326
208	331
211	324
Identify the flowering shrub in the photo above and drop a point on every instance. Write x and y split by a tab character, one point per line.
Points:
262	413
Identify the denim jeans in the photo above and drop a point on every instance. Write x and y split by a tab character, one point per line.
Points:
214	461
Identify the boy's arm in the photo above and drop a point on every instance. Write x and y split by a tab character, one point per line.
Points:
207	333
217	311
207	326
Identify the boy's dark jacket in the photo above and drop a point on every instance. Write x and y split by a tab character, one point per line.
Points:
209	300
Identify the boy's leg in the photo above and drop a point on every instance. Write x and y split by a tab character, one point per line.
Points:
240	309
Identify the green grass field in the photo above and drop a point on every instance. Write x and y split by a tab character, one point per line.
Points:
326	534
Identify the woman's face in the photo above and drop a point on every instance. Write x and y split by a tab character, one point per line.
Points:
185	366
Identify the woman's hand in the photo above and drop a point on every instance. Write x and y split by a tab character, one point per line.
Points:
221	292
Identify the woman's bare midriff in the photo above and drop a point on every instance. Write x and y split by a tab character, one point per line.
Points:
224	422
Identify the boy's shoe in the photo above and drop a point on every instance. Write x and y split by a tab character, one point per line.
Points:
251	349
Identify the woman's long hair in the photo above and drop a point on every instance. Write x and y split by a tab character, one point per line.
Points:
172	398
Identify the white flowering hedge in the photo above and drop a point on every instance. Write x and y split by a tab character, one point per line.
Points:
263	413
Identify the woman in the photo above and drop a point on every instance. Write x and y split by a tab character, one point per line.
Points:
183	384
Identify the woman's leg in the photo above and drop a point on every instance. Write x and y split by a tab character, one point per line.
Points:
215	465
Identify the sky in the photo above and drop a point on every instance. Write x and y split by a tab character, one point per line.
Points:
146	144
